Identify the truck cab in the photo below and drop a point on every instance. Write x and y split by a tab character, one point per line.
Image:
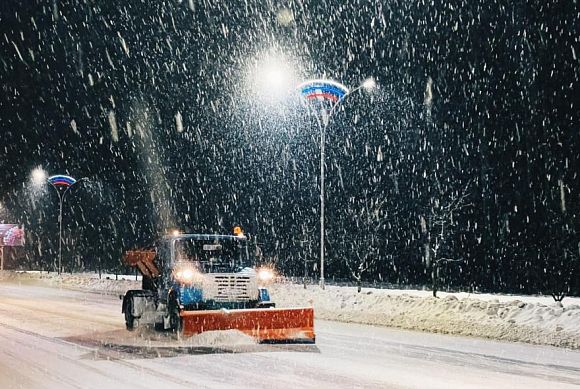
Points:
211	272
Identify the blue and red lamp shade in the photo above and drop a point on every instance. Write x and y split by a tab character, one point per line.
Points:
61	181
323	90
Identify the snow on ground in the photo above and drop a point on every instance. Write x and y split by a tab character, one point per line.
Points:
155	339
107	284
530	319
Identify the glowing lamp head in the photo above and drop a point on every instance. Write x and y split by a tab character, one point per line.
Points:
369	83
270	76
38	176
238	231
275	78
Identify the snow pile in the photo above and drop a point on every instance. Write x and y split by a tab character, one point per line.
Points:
515	320
149	338
528	319
77	281
219	338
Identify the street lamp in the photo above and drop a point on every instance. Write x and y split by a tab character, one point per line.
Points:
62	184
327	96
1	245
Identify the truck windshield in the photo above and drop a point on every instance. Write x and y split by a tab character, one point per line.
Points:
213	255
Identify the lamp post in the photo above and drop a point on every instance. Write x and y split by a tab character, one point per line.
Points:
1	244
62	184
328	95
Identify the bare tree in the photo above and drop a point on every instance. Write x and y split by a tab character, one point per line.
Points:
562	274
438	224
557	265
305	242
559	252
367	219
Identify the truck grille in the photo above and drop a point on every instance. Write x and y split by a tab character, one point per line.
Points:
232	288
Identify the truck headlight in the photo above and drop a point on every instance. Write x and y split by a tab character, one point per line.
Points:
187	274
265	274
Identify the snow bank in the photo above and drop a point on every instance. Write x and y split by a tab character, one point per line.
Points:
219	338
529	319
513	319
77	281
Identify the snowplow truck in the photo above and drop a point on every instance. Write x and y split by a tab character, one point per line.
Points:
194	283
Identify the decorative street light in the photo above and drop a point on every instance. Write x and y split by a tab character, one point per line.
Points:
326	95
1	245
62	184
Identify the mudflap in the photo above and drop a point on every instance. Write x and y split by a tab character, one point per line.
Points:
295	325
140	302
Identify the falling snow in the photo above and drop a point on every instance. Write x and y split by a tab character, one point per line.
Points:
458	170
422	156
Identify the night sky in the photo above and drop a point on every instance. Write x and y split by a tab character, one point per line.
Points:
464	159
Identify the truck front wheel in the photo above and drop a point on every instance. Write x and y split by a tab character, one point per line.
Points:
174	317
129	318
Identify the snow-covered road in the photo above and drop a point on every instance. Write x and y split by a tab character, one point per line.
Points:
56	338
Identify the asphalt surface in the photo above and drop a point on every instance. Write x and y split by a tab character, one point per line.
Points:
55	338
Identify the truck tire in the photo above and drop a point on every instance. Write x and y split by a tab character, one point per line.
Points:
129	318
176	324
174	317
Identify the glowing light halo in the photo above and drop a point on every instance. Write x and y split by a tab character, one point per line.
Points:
270	77
61	180
38	175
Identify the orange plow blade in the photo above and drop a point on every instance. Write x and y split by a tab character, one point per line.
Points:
268	324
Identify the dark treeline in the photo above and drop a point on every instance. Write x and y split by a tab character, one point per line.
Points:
463	164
